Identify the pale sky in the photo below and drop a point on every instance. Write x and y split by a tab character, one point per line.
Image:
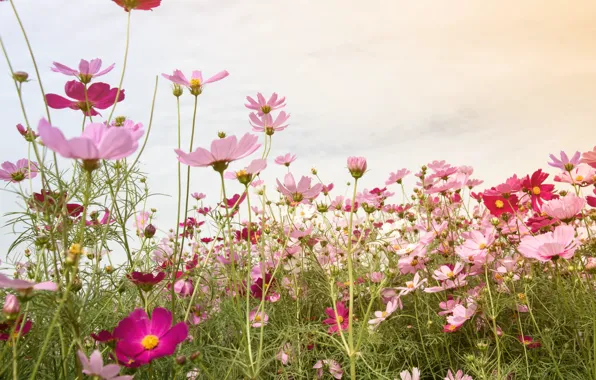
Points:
493	84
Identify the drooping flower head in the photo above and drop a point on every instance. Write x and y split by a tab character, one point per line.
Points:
223	151
196	82
98	142
86	72
141	339
99	95
142	5
23	169
263	106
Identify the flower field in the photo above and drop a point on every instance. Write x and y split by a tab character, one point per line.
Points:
452	278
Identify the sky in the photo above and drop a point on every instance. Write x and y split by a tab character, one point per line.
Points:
493	84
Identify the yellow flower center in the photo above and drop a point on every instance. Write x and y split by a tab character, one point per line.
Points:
340	319
499	203
241	173
150	342
258	318
266	108
410	285
384	314
450	274
414	262
75	249
579	178
536	190
451	327
482	246
195	83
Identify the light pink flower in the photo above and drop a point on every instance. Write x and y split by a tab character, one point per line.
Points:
285	160
357	166
25	287
245	175
382	315
196	82
98	142
285	354
405	375
564	163
263	106
198	196
86	72
397	177
564	208
301	192
18	172
333	367
259	318
458	376
265	123
412	285
223	151
461	314
581	174
589	158
94	367
559	243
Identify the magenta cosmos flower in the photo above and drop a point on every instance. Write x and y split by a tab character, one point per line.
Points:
223	151
86	72
145	281
263	106
285	160
94	367
142	5
301	192
551	245
265	123
196	82
18	172
339	320
98	142
99	95
141	340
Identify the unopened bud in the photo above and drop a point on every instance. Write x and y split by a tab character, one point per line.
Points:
180	360
177	90
20	76
149	231
221	134
11	306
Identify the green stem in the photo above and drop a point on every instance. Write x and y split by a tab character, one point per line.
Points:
352	353
123	67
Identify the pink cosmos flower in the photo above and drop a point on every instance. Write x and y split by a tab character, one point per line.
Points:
564	163
337	321
412	285
86	72
415	375
301	192
265	123
99	95
564	208
196	82
98	142
459	375
141	340
136	129
94	367
25	287
142	5
357	166
258	318
223	151
285	160
382	315
22	328
333	367
198	196
285	354
18	172
581	174
461	314
551	245
263	106
11	305
589	158
246	175
397	177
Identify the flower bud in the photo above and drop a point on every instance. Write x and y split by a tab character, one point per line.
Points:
221	135
11	306
357	166
195	356
20	76
177	90
312	170
180	359
149	231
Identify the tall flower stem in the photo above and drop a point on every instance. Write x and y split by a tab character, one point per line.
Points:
177	260
352	353
123	67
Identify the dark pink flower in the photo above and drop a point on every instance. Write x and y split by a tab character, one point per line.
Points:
141	340
337	321
99	95
22	328
145	281
142	5
86	72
